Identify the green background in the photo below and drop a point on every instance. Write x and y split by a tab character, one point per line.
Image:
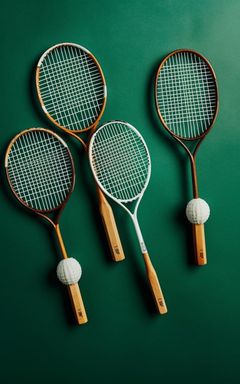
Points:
125	340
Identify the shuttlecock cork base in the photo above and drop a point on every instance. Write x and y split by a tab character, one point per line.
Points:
197	211
69	271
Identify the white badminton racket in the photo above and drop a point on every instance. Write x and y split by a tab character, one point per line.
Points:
121	165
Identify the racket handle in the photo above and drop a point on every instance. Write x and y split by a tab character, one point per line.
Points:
110	228
199	244
155	286
77	303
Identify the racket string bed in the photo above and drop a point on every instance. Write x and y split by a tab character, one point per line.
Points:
43	195
67	76
41	157
173	92
62	102
186	94
124	141
121	162
126	174
72	92
69	90
189	118
36	169
40	171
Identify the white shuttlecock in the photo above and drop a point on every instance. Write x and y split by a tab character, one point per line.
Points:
69	271
197	211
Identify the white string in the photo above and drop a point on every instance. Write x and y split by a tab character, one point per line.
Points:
187	90
40	170
71	87
186	94
120	161
37	163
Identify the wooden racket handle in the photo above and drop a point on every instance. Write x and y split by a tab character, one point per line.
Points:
77	303
199	244
155	286
110	228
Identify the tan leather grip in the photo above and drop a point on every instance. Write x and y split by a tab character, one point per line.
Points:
110	228
199	244
77	303
155	286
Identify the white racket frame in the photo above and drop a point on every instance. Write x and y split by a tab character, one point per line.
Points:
138	197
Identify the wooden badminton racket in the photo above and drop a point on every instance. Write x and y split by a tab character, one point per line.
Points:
72	92
40	172
186	98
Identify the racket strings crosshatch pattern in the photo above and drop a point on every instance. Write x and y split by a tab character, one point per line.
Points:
40	172
187	95
71	87
116	150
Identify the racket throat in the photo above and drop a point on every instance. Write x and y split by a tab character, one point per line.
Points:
60	241
194	177
139	234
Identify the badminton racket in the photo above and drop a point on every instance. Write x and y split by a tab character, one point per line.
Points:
121	165
186	98
40	172
72	92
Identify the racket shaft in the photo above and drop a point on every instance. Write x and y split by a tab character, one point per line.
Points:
110	228
77	304
199	244
155	286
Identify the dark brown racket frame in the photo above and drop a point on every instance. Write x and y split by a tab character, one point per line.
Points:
198	229
74	292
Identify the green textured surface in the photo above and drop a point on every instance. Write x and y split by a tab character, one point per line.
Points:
124	341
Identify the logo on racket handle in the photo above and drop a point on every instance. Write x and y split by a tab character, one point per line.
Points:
116	249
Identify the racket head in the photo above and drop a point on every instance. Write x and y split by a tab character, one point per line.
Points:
71	87
40	170
120	161
186	94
